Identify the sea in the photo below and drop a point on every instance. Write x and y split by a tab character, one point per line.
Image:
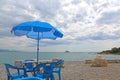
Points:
10	57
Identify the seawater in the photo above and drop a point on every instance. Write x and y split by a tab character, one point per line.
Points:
11	57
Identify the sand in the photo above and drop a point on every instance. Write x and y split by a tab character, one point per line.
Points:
78	70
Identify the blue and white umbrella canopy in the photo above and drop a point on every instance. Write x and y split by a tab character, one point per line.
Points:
37	30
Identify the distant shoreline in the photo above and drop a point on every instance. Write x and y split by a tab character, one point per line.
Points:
112	51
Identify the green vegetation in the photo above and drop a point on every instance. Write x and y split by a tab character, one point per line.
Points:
112	51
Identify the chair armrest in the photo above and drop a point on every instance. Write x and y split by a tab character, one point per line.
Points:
19	71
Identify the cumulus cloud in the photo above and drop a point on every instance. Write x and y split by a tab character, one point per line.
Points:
111	17
79	20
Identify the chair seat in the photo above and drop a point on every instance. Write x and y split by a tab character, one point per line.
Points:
56	70
29	78
39	75
16	75
29	70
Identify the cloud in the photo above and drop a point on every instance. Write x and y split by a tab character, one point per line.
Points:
79	20
44	8
111	17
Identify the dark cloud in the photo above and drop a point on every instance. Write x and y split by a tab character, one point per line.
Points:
47	9
117	32
112	17
44	43
91	1
61	25
76	2
100	36
5	34
78	18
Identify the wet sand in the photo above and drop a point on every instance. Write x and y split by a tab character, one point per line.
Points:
78	70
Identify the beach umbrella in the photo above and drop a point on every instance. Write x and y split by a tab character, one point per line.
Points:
36	30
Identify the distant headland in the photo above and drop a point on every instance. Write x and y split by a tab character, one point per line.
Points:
112	51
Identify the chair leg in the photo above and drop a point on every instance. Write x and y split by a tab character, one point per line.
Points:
53	77
59	75
8	78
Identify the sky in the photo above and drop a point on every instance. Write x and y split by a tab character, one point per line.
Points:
87	25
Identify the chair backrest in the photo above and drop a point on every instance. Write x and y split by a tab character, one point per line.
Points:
18	72
28	66
59	63
39	69
8	67
48	70
49	67
44	69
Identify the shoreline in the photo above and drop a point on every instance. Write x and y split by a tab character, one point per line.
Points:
78	70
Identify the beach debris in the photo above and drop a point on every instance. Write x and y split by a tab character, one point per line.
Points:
99	61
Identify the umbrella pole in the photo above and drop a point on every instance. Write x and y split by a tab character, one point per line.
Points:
38	48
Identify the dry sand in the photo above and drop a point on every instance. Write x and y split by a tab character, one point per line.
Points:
77	70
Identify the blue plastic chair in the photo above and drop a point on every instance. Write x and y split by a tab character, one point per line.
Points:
44	70
48	70
28	66
16	73
38	70
58	67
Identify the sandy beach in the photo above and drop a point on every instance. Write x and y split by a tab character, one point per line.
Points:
78	70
